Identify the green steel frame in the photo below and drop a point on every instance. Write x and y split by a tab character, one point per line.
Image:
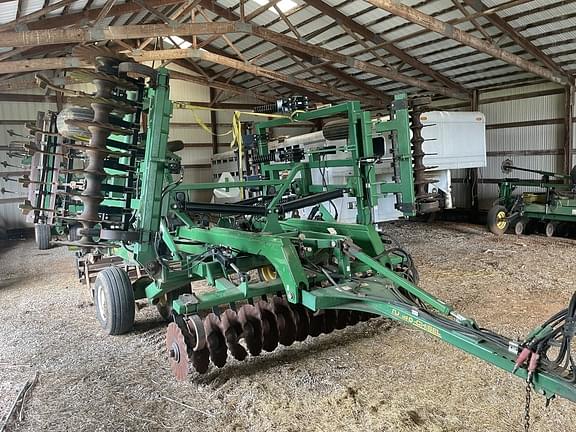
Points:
174	250
555	208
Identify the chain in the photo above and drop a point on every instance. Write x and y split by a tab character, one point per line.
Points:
527	407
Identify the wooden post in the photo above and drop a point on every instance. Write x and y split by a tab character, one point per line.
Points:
473	172
568	128
213	123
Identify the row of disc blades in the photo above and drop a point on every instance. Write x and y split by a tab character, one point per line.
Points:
250	329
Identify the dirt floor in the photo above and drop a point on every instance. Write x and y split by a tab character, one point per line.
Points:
375	376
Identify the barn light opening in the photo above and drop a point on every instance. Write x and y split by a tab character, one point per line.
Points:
283	5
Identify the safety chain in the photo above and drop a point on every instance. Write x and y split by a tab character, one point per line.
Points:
527	407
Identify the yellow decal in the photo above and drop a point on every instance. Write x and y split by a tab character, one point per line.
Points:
416	322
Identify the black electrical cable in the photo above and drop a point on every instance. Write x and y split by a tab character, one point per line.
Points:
325	185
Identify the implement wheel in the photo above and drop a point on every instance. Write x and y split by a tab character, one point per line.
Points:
42	236
497	220
550	229
519	228
114	299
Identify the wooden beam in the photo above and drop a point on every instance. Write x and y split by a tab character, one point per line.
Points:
103	12
92	14
415	16
510	31
15	122
370	36
473	173
352	62
474	22
252	69
65	62
568	128
344	76
34	16
44	37
19	97
154	12
259	11
221	86
213	122
42	64
332	70
98	34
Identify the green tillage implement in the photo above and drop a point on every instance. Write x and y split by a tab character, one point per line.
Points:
321	275
554	203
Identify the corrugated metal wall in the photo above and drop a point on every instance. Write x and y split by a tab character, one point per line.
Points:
185	126
524	124
514	128
12	115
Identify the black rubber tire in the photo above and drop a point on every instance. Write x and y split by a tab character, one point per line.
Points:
42	236
114	300
493	220
550	229
519	228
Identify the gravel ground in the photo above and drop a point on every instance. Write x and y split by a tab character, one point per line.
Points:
376	376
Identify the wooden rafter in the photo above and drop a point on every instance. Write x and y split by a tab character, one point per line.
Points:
334	71
91	14
369	35
251	69
103	12
523	42
33	16
473	21
226	13
155	12
149	30
453	22
177	16
440	27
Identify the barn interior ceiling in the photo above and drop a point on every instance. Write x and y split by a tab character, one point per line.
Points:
325	49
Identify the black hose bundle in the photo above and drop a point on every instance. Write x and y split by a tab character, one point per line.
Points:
554	342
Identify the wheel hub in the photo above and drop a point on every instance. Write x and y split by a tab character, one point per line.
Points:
102	304
501	220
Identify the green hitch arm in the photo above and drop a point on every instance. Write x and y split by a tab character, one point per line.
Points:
546	383
454	332
426	297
